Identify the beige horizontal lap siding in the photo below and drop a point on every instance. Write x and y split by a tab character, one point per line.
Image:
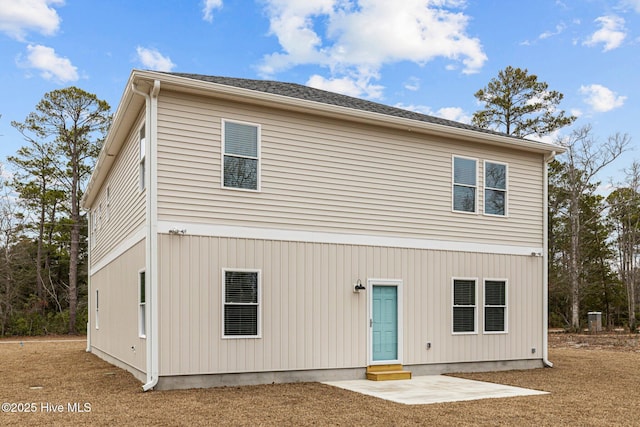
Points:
126	201
312	319
117	284
322	174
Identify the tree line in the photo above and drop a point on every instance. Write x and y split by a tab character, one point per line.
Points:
43	231
594	239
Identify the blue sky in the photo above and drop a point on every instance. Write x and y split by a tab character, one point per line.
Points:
426	55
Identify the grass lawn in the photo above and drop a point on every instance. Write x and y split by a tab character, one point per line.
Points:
595	381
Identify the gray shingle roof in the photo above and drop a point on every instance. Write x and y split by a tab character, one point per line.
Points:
299	91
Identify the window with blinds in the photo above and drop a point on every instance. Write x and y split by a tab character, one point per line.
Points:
495	188
464	306
495	306
241	303
241	156
464	184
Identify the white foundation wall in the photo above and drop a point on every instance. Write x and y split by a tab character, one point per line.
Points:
312	319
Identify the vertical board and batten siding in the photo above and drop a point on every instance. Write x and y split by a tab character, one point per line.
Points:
323	174
126	201
117	284
312	319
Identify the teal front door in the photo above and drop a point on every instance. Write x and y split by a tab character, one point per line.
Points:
384	319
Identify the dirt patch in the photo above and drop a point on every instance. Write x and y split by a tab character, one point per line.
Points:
594	384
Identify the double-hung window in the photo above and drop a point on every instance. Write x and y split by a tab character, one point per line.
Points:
241	303
142	305
495	188
107	213
495	306
94	225
142	150
241	156
464	306
464	184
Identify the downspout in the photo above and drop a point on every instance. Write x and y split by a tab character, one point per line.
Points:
151	221
545	262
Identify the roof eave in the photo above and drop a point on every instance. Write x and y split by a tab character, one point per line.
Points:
129	100
202	87
114	141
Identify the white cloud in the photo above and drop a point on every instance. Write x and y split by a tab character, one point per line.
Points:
560	28
413	84
611	34
551	138
633	4
455	114
50	65
600	98
154	60
19	17
357	86
208	7
548	34
358	38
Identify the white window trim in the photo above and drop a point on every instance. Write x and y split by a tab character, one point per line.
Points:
506	306
93	219
142	319
259	303
485	187
259	157
453	184
107	213
97	314
100	219
142	152
475	306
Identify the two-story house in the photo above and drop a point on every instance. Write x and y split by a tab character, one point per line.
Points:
249	231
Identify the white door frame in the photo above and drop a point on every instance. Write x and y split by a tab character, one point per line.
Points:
400	301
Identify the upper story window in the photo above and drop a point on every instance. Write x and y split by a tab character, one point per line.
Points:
495	188
142	143
241	156
94	225
464	184
107	213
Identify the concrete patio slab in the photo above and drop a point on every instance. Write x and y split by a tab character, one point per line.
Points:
429	389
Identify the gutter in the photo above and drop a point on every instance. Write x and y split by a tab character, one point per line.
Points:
545	268
151	240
